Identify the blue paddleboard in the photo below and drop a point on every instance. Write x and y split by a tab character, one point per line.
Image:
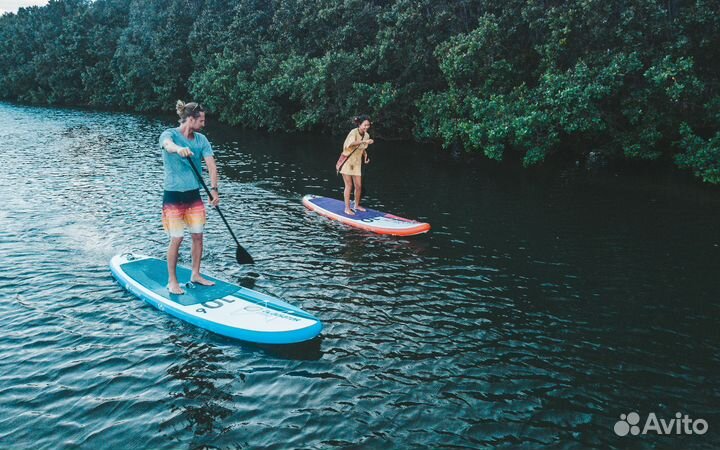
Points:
226	309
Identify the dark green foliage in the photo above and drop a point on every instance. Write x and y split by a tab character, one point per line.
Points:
620	77
700	155
152	62
43	53
107	20
635	79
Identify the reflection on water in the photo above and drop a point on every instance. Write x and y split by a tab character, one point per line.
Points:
204	387
303	351
541	306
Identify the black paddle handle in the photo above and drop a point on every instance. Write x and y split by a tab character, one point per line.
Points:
217	208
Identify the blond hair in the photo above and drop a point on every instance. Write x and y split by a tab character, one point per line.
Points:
185	110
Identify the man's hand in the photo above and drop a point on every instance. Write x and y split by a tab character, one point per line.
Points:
215	200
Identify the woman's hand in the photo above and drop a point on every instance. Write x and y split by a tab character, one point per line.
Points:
367	159
369	141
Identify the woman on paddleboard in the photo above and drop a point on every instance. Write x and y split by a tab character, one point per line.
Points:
182	205
354	148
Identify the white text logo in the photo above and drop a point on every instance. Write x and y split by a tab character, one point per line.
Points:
681	424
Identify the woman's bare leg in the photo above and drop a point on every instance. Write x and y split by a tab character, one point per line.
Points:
348	187
357	179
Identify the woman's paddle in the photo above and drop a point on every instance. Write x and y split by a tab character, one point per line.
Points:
241	255
364	176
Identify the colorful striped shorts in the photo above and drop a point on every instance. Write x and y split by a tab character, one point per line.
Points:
182	209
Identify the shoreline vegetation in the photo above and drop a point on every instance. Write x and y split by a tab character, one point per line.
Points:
525	80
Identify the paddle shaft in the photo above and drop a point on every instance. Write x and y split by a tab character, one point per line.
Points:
217	208
364	175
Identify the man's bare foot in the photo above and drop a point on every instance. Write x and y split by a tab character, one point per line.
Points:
360	208
202	281
349	212
175	289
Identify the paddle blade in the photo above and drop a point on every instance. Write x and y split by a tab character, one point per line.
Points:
243	257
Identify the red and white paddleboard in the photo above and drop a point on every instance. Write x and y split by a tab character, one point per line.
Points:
370	220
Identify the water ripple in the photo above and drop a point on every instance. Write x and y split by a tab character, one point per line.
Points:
532	315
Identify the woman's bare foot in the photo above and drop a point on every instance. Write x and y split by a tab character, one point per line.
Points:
360	208
349	212
202	281
175	289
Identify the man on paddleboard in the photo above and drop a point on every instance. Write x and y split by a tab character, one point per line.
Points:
182	205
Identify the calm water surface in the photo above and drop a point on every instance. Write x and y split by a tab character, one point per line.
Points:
540	307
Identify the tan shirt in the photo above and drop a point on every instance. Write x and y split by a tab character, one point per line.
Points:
354	136
353	166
